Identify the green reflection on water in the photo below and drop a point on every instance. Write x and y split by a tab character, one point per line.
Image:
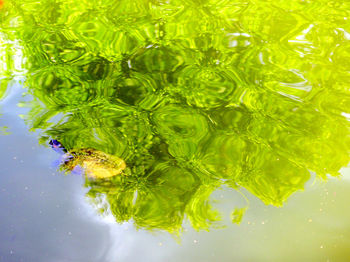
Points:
192	95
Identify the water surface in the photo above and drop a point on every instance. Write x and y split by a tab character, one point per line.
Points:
222	111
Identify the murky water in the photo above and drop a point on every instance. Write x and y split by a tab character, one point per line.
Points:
180	130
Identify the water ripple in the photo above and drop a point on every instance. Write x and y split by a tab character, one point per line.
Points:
191	94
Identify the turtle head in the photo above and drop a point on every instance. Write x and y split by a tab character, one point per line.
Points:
57	146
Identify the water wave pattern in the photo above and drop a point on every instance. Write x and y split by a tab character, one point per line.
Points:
192	94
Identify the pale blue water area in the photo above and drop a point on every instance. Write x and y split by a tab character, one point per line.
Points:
46	218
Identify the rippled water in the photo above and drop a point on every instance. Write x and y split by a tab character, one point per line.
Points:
194	96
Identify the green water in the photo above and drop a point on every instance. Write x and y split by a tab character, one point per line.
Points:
192	95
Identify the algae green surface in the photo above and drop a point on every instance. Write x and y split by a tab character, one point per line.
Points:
192	95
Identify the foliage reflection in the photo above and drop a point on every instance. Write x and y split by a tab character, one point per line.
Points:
192	95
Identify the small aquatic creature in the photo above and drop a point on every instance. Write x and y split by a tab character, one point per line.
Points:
94	163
